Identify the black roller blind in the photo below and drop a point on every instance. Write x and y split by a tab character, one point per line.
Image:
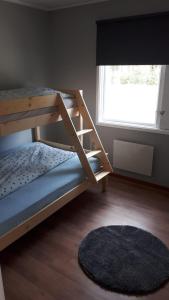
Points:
139	40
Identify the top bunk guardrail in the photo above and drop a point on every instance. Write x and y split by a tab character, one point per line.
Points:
23	109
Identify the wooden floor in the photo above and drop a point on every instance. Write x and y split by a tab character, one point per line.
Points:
43	264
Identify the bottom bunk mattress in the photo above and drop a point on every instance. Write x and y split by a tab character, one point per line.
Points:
23	203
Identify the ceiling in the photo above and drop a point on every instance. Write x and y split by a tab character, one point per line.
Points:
53	4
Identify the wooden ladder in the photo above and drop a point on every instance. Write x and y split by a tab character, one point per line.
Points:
96	145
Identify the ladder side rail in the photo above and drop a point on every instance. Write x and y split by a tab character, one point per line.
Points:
94	135
72	131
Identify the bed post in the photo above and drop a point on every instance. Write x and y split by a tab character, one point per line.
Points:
2	295
104	183
37	133
80	125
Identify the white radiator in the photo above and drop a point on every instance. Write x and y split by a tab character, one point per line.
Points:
133	157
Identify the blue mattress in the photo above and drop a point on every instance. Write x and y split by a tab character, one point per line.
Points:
29	199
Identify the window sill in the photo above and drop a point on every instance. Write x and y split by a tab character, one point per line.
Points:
133	127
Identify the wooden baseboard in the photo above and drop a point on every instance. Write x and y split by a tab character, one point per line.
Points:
141	182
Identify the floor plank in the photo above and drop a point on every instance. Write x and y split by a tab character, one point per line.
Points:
43	264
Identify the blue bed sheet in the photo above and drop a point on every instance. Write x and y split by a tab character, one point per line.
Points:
29	199
24	164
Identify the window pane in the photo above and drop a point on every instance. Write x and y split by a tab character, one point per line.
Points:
130	93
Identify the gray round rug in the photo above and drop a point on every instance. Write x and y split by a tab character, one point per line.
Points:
124	259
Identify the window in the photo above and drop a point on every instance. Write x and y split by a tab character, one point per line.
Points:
132	95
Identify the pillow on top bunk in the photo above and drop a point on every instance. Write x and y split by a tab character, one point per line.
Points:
24	164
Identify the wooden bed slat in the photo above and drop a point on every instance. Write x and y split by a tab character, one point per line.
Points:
13	106
32	122
83	131
58	145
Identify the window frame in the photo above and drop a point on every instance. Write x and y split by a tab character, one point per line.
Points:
161	126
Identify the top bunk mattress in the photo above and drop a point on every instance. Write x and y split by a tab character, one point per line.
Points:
22	93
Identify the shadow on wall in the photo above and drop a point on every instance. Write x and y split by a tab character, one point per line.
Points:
56	132
14	140
8	82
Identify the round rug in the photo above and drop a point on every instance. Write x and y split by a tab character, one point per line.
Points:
124	259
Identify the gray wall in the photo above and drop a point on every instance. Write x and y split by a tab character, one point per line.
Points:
73	59
59	49
23	53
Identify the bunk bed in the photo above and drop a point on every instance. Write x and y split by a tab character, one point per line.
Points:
30	108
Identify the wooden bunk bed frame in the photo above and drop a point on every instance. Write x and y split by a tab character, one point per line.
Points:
80	112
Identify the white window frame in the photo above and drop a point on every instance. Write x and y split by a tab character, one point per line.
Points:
162	113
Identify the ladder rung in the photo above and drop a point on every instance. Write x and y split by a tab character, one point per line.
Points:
84	131
93	153
101	175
